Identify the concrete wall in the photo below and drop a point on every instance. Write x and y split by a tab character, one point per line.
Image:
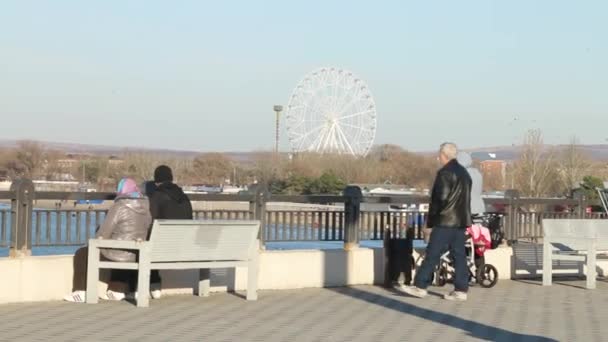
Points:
44	278
35	278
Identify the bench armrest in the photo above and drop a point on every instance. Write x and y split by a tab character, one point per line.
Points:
120	244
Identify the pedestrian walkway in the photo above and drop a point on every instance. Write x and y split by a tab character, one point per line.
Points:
511	311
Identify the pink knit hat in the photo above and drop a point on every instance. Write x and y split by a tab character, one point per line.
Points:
128	187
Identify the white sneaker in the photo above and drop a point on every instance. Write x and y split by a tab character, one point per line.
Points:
133	296
458	296
414	291
397	286
155	291
115	296
76	297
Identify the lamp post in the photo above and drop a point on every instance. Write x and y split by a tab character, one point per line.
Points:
278	109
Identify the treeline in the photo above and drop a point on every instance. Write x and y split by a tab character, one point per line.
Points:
286	174
539	171
543	170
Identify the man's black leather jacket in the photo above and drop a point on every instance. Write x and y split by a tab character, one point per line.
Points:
451	198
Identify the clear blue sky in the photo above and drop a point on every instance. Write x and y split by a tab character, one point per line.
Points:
203	75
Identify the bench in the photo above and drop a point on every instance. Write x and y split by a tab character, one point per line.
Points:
573	240
180	245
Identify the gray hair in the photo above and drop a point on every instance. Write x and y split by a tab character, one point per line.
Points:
449	150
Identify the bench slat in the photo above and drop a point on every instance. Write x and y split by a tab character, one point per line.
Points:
119	265
203	240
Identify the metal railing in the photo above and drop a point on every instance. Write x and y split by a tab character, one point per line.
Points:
374	224
64	227
22	226
529	224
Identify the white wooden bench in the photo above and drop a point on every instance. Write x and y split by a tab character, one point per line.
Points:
573	240
183	244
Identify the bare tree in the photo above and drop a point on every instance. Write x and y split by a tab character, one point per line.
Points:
181	169
212	168
534	173
53	170
394	164
573	165
6	156
29	159
268	167
139	165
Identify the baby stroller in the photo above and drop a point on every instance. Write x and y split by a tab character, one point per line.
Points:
480	239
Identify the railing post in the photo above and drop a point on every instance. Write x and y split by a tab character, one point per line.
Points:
258	207
387	247
582	205
352	210
21	218
512	216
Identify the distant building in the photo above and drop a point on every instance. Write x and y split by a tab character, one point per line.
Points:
66	177
67	164
115	161
494	170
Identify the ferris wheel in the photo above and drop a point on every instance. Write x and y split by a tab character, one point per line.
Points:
331	111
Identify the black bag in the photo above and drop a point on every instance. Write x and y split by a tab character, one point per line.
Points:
400	260
496	233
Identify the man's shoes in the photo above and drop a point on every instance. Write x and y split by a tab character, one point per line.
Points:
155	291
414	291
457	296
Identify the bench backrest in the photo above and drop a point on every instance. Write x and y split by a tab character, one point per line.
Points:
569	229
208	240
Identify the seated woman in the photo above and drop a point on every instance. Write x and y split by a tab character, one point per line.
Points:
128	219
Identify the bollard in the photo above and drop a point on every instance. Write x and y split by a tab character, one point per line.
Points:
21	220
352	212
258	208
512	228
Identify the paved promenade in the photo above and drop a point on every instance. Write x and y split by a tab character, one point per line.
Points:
511	311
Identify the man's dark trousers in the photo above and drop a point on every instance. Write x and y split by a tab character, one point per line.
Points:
443	239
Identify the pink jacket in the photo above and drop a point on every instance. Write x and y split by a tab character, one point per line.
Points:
481	238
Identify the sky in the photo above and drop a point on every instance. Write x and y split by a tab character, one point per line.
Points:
204	75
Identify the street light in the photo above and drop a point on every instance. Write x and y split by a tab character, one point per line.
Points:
278	109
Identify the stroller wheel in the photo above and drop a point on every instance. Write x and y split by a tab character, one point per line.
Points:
489	277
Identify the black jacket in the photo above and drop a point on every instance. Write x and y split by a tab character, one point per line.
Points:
451	198
169	202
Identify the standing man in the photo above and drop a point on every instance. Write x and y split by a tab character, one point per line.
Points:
167	202
449	215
